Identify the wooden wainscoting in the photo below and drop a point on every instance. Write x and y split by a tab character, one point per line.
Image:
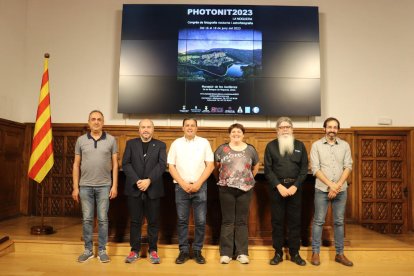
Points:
58	184
12	139
382	157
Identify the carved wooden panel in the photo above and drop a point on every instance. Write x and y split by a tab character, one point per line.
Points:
382	178
58	183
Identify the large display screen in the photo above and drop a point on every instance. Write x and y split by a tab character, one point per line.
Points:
219	59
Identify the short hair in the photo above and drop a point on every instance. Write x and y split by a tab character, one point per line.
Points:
331	119
236	125
283	119
188	119
95	111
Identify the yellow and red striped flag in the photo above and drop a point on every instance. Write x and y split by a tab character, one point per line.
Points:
41	158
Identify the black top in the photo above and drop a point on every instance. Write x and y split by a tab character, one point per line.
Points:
152	166
293	166
144	148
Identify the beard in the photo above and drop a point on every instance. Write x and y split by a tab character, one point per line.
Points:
146	138
331	137
286	144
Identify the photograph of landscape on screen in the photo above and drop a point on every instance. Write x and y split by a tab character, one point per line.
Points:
218	55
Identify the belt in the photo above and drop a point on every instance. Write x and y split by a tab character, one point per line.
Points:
287	180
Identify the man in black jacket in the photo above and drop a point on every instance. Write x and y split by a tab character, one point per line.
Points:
144	162
286	167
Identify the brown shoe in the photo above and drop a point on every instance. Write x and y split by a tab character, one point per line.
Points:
340	258
315	259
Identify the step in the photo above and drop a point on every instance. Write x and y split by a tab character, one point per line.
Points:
122	249
6	245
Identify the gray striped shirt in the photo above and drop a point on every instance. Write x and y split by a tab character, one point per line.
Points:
96	159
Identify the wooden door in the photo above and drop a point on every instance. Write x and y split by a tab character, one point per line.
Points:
383	183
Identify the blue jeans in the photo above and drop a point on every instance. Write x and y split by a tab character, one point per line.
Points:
88	195
184	201
338	210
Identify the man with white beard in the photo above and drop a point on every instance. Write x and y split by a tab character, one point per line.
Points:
286	168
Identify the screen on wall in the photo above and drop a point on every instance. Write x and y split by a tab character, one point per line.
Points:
219	59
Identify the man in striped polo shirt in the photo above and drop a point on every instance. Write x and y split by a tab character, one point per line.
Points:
95	181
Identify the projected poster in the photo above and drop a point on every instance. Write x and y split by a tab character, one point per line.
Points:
218	53
205	59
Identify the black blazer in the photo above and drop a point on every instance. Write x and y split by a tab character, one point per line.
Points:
136	167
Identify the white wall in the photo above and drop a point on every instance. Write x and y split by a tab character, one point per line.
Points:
367	59
12	59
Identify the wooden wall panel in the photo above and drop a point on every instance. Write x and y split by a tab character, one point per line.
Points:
410	179
11	156
58	183
377	189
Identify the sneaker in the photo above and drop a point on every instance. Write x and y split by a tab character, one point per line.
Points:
225	259
154	258
103	257
86	255
132	257
243	259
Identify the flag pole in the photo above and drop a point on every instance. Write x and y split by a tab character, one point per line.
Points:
42	229
41	158
42	220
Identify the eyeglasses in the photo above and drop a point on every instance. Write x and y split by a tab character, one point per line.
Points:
285	127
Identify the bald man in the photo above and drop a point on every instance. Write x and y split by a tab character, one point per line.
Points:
144	162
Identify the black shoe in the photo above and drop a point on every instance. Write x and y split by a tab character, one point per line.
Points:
298	260
182	257
198	257
276	259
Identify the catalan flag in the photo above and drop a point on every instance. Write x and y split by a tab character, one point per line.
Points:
41	158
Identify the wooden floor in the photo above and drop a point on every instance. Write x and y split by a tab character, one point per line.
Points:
55	254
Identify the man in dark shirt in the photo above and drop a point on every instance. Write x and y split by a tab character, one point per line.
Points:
144	163
286	167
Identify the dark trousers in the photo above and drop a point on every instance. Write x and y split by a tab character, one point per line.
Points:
138	208
286	209
235	205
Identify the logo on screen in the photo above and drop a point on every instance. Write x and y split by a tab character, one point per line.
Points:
229	110
216	109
